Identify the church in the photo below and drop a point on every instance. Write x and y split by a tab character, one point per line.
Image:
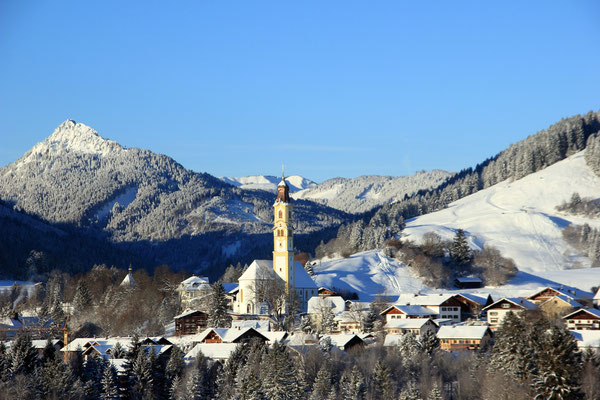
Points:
282	271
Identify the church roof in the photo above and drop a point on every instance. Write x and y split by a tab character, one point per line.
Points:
302	278
259	269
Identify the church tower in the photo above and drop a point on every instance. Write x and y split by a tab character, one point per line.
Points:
283	233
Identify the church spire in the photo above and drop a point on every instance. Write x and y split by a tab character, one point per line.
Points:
283	190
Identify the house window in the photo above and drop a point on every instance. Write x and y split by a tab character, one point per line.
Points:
505	305
493	312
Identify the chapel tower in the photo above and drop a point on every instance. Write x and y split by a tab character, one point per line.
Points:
283	233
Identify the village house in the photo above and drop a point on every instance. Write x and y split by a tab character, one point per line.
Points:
498	310
416	326
192	291
559	305
190	322
468	283
324	292
587	339
407	312
583	319
596	299
463	337
444	305
472	304
345	342
229	335
546	293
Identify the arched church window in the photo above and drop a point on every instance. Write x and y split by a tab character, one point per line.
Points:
280	214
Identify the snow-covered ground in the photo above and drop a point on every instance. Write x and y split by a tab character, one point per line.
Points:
268	182
520	218
124	199
370	273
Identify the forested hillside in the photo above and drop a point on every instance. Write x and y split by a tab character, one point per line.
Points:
532	154
147	203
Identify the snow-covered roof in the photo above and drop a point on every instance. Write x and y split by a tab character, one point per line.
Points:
479	298
593	311
128	280
341	339
469	280
597	295
561	290
301	278
228	335
275	336
407	323
566	299
259	269
216	351
186	313
337	304
230	287
194	283
587	338
462	332
410	310
392	340
261	324
41	343
423	300
517	301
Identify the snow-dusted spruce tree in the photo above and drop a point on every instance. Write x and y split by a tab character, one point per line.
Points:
23	356
383	387
322	385
110	387
411	352
82	299
93	371
217	314
410	392
281	379
227	375
175	365
435	393
460	253
198	385
430	343
559	367
327	318
248	382
508	354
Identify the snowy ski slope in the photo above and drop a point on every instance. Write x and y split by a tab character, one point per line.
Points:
519	218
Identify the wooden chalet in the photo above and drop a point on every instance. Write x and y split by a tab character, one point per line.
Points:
444	305
230	335
416	326
190	322
324	292
545	294
583	319
559	305
463	337
407	312
472	304
498	310
346	342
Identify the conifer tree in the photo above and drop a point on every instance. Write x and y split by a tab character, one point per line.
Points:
281	381
430	343
198	385
410	392
226	377
93	372
82	299
4	364
435	393
217	315
110	387
248	379
175	364
559	366
460	253
49	353
382	380
23	356
322	385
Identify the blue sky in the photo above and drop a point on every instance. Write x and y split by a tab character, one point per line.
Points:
335	88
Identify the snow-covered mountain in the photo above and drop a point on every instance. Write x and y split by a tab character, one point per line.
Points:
269	182
520	217
146	200
363	193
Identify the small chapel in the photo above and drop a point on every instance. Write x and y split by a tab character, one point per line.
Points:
287	272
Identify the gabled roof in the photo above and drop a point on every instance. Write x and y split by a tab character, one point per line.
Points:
275	336
302	279
219	351
587	338
228	335
392	340
424	300
410	310
259	269
187	313
410	323
592	311
231	287
341	340
565	299
194	283
479	298
463	332
517	301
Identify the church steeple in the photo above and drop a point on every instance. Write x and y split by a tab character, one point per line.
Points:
283	246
